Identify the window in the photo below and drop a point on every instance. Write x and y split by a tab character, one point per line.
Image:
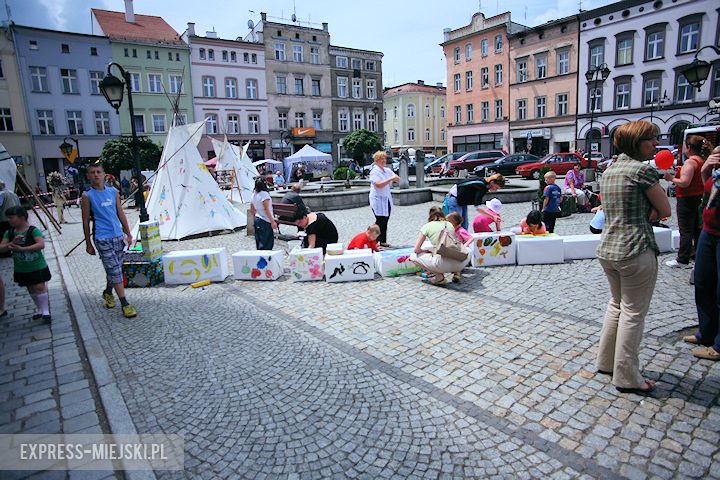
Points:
34	45
157	55
134	52
622	95
233	57
385	114
139	121
484	77
176	82
280	51
253	58
211	123
522	109
498	74
411	134
149	54
5	120
469	113
562	104
2	75
208	86
499	109
102	123
370	89
95	78
468	52
233	123
357	121
342	87
283	120
356	88
314	55
468	80
253	124
230	88
344	122
299	119
356	64
154	83
251	88
299	86
715	90
624	50
201	53
563	62
597	54
498	43
651	90
442	134
684	92
540	107
370	65
211	54
458	114
427	111
69	80
135	82
427	134
281	84
371	122
177	59
655	43
246	57
456	55
158	121
225	57
395	111
595	99
64	48
341	62
317	120
442	111
297	53
47	124
484	47
522	71
411	110
75	125
315	87
541	66
689	36
485	111
458	82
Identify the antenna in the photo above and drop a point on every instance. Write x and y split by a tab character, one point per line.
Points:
294	16
525	13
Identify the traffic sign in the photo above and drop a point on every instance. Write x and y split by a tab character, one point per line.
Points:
72	171
71	156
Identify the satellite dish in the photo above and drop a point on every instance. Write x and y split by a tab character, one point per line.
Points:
293	18
250	24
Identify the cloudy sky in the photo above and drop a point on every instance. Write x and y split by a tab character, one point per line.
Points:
406	31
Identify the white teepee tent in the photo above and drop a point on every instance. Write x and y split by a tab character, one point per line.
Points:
8	169
232	157
185	199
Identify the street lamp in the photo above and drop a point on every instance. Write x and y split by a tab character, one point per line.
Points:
697	72
66	149
112	89
596	74
660	103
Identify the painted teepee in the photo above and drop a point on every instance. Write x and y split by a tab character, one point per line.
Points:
232	157
185	199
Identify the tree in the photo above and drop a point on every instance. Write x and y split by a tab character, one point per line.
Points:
117	155
360	143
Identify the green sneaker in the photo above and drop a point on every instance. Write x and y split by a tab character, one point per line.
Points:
109	300
129	311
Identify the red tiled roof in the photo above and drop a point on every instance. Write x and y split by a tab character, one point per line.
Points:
147	28
414	87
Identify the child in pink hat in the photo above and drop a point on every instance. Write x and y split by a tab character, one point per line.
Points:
487	215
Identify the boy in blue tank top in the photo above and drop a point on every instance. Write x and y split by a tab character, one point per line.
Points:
102	202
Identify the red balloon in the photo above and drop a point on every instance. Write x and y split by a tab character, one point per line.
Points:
664	159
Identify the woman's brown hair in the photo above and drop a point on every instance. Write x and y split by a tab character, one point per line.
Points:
435	214
497	179
698	145
628	136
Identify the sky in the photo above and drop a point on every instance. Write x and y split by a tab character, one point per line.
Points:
408	32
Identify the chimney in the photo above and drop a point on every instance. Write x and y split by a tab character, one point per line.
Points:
191	29
129	12
210	34
439	84
263	16
325	26
421	82
446	34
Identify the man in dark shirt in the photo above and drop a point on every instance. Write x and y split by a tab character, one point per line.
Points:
293	196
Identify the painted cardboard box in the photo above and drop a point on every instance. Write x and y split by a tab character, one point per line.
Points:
306	264
139	272
539	249
258	264
392	263
491	249
351	266
190	266
578	247
150	240
663	238
675	239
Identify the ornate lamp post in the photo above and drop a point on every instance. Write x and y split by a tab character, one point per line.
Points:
112	89
596	75
697	72
66	149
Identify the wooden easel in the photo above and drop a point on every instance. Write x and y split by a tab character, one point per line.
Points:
22	184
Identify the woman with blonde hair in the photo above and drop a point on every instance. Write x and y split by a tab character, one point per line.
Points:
470	192
381	179
436	265
632	200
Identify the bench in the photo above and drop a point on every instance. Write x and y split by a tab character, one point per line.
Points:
284	213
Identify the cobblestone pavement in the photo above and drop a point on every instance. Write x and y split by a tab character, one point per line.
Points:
492	377
45	382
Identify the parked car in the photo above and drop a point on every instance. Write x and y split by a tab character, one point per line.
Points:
560	163
505	165
438	166
479	157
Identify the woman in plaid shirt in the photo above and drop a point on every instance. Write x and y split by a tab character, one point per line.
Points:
632	200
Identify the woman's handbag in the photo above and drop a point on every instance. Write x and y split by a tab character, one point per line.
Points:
450	247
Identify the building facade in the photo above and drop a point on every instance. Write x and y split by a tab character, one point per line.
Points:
60	74
644	45
478	77
357	95
415	115
543	86
230	92
158	61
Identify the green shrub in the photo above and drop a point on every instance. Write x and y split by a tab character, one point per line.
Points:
343	173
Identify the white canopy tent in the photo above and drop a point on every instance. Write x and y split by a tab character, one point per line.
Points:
232	157
313	159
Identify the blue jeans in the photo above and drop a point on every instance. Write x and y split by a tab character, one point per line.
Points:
707	289
264	238
450	205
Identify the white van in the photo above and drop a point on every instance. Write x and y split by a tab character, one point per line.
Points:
711	131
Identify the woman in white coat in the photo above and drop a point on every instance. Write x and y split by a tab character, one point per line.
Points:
381	179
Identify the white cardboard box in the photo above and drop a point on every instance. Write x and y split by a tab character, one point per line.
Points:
393	263
579	247
675	239
539	249
190	266
663	238
258	264
351	266
306	264
491	249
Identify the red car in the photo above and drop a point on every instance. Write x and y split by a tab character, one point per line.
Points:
471	160
560	163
